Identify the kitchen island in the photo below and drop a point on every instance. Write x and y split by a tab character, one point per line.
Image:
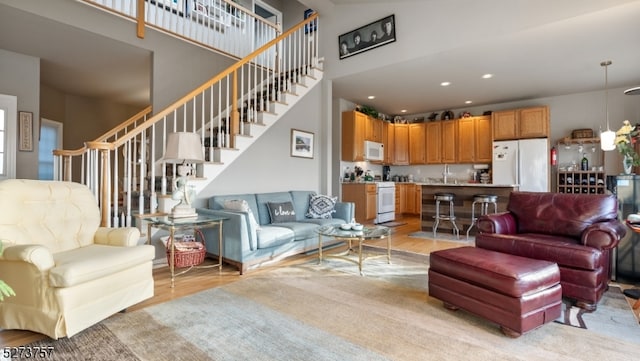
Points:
464	193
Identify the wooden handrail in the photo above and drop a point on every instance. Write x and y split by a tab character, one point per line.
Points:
135	118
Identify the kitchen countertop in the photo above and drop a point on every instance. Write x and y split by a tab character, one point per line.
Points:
467	185
443	184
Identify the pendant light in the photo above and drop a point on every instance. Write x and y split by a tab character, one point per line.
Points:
608	137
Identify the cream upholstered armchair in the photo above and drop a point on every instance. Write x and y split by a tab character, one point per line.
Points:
68	273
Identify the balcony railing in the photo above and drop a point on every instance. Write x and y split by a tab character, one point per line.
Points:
220	25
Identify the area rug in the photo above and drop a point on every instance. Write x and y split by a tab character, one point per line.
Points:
328	311
441	236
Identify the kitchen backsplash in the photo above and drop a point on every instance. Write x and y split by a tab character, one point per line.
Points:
420	173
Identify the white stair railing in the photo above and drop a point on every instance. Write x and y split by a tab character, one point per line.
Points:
125	169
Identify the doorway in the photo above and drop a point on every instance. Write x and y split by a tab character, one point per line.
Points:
50	139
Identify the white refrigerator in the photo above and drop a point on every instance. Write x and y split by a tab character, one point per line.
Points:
524	162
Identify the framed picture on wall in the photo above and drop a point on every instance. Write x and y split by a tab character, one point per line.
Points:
301	144
370	36
25	122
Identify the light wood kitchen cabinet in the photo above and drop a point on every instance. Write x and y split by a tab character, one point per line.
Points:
401	146
466	140
388	135
433	140
408	195
417	152
364	196
484	142
353	130
474	139
449	141
521	123
408	198
534	122
373	130
400	191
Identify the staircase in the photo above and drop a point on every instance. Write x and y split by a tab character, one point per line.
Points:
229	112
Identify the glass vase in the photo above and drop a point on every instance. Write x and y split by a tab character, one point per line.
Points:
627	164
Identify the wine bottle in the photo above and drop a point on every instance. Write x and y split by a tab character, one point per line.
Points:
584	165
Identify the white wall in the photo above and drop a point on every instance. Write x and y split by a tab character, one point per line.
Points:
20	76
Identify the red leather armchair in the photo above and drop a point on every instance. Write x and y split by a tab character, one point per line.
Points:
576	231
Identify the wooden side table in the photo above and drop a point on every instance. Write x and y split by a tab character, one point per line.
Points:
175	224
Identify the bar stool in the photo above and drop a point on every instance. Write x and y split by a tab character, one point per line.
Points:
484	200
445	197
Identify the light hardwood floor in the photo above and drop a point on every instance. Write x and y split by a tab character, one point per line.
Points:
200	279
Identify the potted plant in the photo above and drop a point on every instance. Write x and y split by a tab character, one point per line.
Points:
5	290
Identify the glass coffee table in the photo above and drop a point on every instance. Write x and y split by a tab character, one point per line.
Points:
354	240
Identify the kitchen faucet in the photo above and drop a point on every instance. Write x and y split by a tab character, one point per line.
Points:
445	173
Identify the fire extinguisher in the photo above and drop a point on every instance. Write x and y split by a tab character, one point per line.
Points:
554	156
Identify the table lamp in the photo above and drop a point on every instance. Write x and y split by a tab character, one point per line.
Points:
183	148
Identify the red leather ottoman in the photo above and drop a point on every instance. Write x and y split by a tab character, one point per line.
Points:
517	293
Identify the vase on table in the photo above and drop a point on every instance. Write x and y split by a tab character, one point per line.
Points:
627	164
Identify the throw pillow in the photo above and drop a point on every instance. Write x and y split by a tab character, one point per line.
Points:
281	212
240	205
321	206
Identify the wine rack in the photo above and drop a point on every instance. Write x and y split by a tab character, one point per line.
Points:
583	182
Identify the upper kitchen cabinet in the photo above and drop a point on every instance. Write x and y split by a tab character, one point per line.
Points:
353	132
474	139
373	130
401	146
521	123
388	139
417	143
484	142
433	140
449	141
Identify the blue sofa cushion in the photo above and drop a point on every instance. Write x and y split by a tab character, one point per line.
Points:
324	221
301	230
273	236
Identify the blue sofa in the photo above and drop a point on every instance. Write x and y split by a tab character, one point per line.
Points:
248	244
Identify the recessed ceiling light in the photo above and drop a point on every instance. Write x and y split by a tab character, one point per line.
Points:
445	83
487	76
468	101
371	97
403	111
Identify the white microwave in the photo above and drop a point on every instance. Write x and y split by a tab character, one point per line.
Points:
373	151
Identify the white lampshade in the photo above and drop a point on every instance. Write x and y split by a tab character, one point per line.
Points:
183	147
608	140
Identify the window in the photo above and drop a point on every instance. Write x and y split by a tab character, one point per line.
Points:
50	139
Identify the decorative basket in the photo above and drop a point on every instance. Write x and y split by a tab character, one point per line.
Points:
188	252
582	133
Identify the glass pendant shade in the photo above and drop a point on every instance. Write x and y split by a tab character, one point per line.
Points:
607	140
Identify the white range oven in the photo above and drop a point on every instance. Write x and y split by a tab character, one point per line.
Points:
386	198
